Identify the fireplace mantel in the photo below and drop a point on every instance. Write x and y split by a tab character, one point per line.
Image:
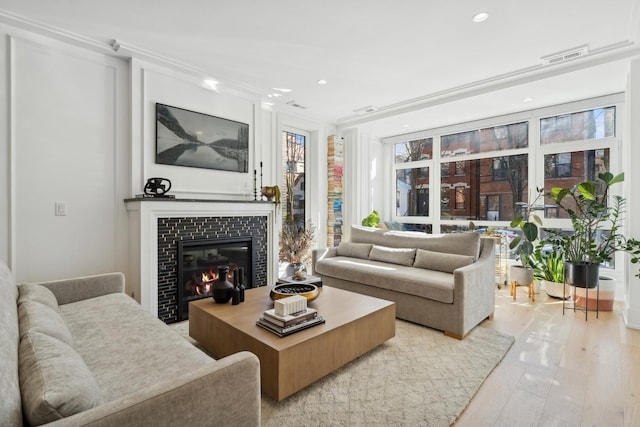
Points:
143	214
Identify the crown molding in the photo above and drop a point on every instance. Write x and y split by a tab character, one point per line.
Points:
31	26
119	49
622	50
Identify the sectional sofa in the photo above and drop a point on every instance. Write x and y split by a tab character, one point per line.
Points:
446	282
81	352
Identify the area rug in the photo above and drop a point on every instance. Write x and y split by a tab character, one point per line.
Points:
418	378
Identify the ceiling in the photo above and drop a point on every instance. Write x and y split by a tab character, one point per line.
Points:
419	64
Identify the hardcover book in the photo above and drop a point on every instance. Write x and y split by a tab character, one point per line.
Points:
283	332
290	319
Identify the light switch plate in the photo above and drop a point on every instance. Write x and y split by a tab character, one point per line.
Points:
61	208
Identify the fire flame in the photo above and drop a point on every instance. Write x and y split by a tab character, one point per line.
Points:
205	285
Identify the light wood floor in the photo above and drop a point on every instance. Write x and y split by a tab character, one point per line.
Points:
562	370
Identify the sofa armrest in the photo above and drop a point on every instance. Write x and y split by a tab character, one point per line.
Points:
226	393
474	286
318	254
81	288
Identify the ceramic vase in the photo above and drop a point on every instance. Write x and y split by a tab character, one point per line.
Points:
222	288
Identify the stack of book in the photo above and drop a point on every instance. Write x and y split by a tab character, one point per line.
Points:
290	323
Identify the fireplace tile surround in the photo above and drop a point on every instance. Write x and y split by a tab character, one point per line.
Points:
172	230
155	224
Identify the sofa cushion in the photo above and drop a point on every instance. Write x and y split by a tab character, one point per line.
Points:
39	293
119	340
440	261
36	317
10	406
457	243
354	250
434	285
402	256
54	380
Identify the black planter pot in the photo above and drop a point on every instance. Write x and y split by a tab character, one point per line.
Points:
581	275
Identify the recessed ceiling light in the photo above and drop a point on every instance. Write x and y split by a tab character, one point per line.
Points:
268	103
405	126
282	89
322	82
211	84
527	99
481	16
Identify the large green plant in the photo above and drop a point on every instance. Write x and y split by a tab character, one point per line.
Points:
593	208
528	224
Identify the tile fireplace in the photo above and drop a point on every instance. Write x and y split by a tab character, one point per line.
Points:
158	228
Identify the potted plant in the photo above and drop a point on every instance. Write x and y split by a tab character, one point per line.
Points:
592	209
523	245
548	267
371	220
295	246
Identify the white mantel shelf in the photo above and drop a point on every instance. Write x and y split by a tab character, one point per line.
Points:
143	213
175	200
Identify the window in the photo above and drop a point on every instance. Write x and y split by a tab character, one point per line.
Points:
493	207
487	140
460	197
412	190
479	177
488	170
293	195
499	170
557	165
585	125
444	201
580	166
413	151
444	169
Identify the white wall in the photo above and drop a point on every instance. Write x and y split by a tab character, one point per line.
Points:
68	121
632	178
153	83
5	153
78	126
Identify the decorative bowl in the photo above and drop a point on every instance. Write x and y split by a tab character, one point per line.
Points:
310	292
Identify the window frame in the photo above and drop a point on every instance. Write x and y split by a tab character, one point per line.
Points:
535	152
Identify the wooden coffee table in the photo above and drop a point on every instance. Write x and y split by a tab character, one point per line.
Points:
355	324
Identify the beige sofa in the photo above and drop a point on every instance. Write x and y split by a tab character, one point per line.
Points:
81	352
446	282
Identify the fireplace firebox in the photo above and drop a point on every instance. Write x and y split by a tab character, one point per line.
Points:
198	263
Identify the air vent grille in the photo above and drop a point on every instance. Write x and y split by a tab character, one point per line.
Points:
565	56
296	105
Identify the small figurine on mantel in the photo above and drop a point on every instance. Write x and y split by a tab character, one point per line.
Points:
157	187
272	193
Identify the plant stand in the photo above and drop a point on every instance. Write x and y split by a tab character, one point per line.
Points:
586	306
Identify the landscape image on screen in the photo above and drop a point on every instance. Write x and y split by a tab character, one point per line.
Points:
188	138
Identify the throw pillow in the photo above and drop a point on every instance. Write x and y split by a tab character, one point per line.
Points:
441	261
402	256
36	317
54	380
354	250
39	293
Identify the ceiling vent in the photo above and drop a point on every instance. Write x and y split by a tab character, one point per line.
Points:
567	55
364	110
295	104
